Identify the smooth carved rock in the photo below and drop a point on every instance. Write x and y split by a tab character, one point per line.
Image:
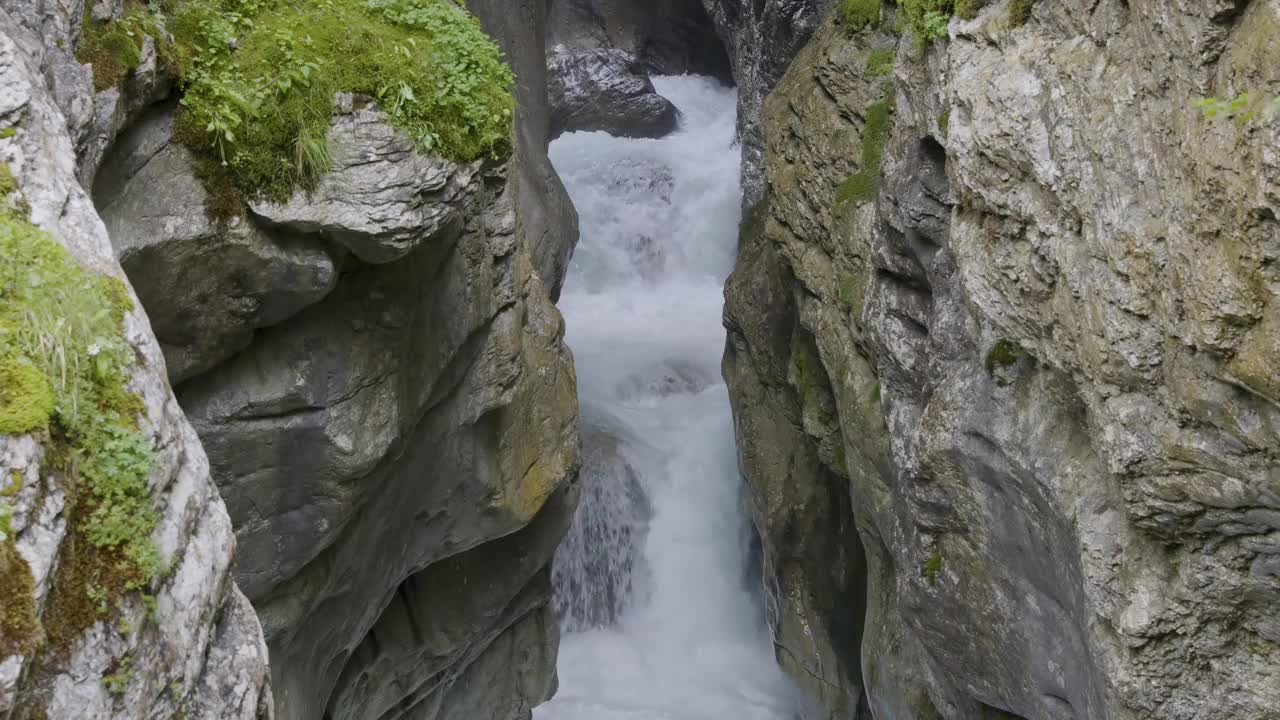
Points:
382	198
605	89
208	285
201	651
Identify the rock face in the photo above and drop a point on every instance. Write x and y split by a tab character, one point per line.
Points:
199	650
377	373
995	352
606	89
761	37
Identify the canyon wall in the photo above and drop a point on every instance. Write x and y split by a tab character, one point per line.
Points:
376	371
1002	341
89	629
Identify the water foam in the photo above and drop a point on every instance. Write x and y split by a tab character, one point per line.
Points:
652	585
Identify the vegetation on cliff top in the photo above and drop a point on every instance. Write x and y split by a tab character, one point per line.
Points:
65	361
258	79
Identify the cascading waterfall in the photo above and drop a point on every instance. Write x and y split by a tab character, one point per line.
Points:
651	584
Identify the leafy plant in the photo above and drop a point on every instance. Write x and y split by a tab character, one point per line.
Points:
1243	108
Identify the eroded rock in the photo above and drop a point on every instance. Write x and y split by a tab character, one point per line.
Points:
1032	377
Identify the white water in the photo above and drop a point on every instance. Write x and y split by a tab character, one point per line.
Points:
683	639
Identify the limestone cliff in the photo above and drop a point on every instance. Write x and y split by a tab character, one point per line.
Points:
375	369
1001	351
104	615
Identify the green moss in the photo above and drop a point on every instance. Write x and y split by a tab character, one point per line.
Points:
20	630
932	567
1003	353
60	329
1020	12
880	62
859	14
26	397
261	105
806	363
944	122
6	133
863	185
968	9
114	48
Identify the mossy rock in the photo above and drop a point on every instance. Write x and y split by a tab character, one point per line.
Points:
1003	353
864	185
20	630
64	362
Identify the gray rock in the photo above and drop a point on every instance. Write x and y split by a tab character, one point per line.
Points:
761	37
207	284
605	89
381	199
546	215
667	37
1030	366
177	654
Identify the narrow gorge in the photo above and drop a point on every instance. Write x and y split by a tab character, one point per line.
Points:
621	360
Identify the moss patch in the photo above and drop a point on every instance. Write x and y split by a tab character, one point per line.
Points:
259	78
114	48
931	568
1003	353
26	397
944	122
60	330
20	631
863	185
859	14
880	62
1020	12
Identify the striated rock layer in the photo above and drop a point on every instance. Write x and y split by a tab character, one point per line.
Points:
198	650
1002	341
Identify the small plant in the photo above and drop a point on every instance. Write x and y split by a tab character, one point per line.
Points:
926	19
1243	108
944	122
118	681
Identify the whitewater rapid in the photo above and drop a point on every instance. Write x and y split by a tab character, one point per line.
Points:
654	586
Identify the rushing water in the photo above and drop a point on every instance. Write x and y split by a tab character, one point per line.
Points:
652	586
